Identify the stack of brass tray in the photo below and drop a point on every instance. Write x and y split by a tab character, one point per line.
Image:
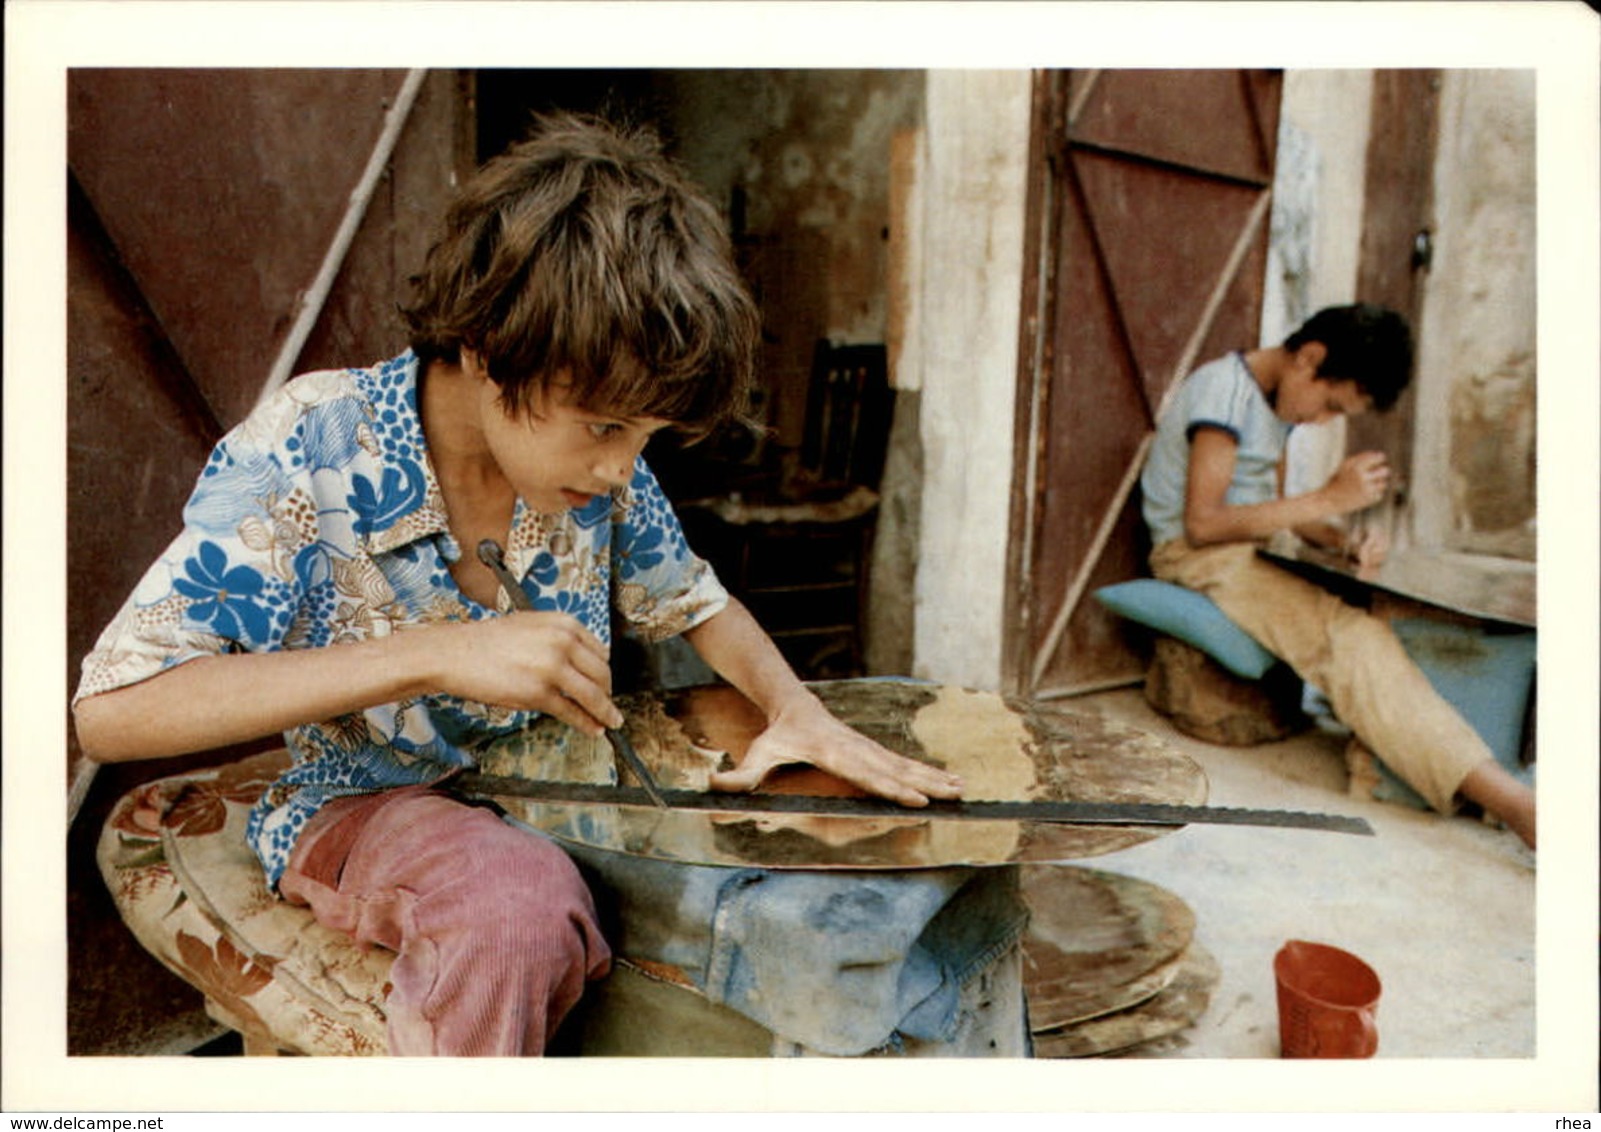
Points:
1110	963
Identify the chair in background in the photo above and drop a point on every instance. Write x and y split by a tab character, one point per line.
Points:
798	555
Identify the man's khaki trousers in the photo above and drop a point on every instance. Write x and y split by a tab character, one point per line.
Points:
1352	657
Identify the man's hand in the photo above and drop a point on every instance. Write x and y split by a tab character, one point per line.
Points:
806	732
1368	548
1360	481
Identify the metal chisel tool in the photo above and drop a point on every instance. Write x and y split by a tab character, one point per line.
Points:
490	554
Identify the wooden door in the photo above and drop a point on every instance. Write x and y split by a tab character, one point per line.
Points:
1147	242
209	219
205	209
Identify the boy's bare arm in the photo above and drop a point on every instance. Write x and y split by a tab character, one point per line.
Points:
1209	519
1325	533
800	728
533	661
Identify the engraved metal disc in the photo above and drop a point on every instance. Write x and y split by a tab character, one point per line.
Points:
1004	751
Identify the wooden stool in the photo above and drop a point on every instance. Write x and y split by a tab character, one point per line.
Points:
1204	700
1211	678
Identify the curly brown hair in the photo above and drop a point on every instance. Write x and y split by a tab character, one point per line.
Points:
584	252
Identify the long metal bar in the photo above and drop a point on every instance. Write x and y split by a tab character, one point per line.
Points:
1073	813
651	794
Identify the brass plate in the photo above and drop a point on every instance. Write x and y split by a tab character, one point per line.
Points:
1175	1009
1004	751
1097	943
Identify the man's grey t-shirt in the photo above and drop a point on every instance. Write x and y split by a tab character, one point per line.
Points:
1220	394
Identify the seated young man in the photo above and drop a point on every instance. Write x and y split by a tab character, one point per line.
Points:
1212	493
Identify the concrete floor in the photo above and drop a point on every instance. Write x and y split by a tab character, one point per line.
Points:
1442	909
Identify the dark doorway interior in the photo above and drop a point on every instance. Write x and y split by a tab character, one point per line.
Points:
754	141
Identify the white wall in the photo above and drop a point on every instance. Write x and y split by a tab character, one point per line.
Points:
1323	137
961	351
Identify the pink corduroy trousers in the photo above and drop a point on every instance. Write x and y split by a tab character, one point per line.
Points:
493	929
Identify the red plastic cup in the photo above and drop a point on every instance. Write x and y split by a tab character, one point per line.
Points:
1328	1002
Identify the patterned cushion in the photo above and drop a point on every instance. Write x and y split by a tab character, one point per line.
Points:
173	854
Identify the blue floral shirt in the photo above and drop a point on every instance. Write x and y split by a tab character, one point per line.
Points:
319	521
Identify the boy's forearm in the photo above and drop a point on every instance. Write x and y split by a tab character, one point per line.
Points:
1256	522
741	652
1327	534
216	701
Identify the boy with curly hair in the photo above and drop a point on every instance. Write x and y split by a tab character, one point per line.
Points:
581	298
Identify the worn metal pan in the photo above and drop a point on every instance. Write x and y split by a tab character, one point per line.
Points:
570	786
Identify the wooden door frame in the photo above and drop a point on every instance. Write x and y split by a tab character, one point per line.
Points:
1042	214
1398	210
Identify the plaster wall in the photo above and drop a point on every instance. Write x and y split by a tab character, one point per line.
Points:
1474	444
962	341
1476	345
809	151
1317	229
817	169
1332	108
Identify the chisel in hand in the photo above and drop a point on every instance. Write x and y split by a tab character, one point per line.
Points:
490	554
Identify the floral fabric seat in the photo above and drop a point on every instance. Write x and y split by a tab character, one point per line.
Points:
174	857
